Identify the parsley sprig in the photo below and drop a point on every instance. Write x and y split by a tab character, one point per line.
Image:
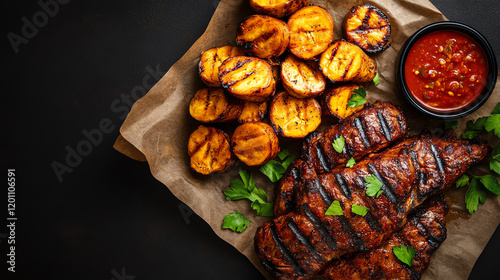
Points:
338	144
275	170
404	254
477	190
235	222
358	98
373	186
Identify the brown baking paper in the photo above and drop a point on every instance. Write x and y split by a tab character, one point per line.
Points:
159	125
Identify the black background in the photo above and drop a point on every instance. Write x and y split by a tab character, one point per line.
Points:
109	218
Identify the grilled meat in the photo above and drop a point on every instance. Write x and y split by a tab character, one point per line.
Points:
425	230
365	132
300	244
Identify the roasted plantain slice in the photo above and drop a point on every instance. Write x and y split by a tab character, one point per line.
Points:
294	117
368	27
211	60
263	36
343	61
209	150
248	78
302	79
212	105
334	102
277	8
311	31
253	112
255	143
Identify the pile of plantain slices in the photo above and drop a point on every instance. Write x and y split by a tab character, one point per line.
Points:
285	72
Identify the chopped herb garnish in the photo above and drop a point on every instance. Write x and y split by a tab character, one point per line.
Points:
235	222
376	79
338	144
404	254
350	163
358	98
359	209
373	186
275	170
335	209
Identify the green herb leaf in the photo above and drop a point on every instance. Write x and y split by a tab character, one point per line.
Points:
404	254
263	209
451	125
350	163
338	144
376	79
490	182
475	194
335	209
373	186
496	110
473	129
359	209
358	98
283	154
495	154
235	222
273	170
462	181
495	166
493	123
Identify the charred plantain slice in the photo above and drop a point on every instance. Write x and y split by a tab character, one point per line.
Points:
263	36
248	78
293	117
277	8
334	102
311	31
212	105
343	61
212	59
209	150
253	112
255	143
302	79
368	27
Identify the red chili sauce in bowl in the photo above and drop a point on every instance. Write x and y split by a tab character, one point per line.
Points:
446	70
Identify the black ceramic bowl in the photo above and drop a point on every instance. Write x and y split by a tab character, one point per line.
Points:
450	26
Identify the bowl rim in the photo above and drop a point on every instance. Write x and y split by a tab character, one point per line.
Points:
452	26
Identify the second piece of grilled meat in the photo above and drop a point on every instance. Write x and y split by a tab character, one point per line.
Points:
425	230
368	131
300	244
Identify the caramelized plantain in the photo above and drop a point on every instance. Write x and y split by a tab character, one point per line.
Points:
253	112
255	143
212	59
277	8
294	117
302	79
263	36
343	61
209	150
368	27
334	102
248	78
311	31
214	105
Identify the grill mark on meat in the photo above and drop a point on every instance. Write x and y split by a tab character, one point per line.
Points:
353	235
304	240
362	133
439	161
284	250
386	187
316	186
270	266
322	158
372	222
343	186
424	231
320	226
386	129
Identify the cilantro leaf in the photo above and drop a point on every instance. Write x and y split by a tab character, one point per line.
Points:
404	254
475	194
335	209
495	166
490	182
496	110
495	154
376	79
493	123
358	98
359	209
263	209
462	181
338	144
275	170
235	222
373	186
350	163
451	125
473	129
